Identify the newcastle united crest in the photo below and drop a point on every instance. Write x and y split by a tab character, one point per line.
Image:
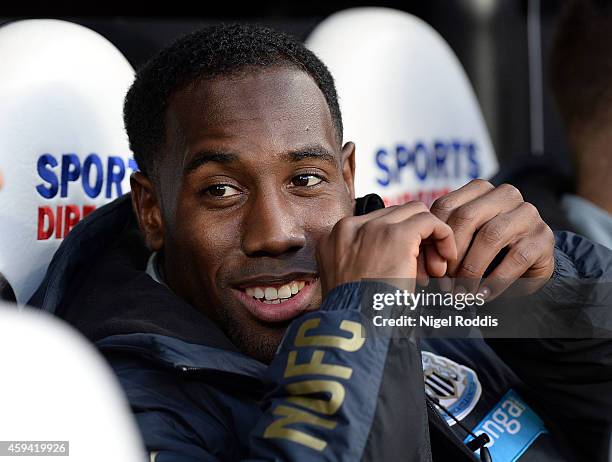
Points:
455	386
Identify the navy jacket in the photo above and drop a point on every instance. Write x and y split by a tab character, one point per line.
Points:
330	392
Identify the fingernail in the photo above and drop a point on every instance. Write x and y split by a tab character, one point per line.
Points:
446	285
484	292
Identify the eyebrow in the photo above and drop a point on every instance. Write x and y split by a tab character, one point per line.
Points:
308	152
312	152
205	157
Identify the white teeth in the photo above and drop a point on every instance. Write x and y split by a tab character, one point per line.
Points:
271	293
284	291
258	292
272	302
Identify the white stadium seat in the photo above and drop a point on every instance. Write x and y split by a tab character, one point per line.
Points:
57	387
63	147
406	103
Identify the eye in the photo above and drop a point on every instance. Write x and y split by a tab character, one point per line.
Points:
222	190
306	180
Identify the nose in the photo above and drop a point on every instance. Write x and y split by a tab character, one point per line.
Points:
272	227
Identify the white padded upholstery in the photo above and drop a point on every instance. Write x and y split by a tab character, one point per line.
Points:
57	387
406	103
63	147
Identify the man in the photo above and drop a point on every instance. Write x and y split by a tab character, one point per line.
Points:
226	294
581	83
581	70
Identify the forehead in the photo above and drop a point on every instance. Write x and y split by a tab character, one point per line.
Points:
271	109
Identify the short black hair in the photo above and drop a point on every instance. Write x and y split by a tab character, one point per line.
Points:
220	50
581	62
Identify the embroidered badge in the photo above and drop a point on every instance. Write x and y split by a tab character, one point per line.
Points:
455	386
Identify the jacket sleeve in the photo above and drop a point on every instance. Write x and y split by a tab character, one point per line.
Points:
570	379
341	390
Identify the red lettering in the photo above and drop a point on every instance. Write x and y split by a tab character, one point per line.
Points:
71	218
427	197
61	220
45	233
87	209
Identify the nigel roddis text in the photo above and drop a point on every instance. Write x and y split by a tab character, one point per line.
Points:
95	175
422	163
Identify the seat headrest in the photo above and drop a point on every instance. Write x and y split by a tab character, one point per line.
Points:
59	388
63	146
406	103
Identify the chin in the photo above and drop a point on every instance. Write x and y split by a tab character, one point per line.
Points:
254	338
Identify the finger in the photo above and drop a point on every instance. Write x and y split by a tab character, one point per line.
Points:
489	241
436	265
422	275
445	205
521	255
536	252
397	214
392	214
467	219
445	284
428	227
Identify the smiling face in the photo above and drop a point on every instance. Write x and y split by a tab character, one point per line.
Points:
251	178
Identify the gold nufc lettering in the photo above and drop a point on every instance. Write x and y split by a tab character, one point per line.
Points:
347	344
323	396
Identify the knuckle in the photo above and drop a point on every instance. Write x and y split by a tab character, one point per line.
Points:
522	256
370	227
469	270
444	204
510	191
343	226
464	214
418	205
482	184
492	232
531	210
547	233
414	207
422	215
344	230
393	232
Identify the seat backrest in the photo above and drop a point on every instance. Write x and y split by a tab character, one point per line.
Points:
63	146
57	387
406	103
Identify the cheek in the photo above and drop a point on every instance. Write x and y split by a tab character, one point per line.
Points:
203	242
321	219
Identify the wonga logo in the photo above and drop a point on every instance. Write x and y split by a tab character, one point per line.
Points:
61	174
512	426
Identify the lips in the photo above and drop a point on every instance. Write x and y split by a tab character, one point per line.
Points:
277	299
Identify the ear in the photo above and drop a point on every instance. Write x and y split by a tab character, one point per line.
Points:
147	209
348	167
